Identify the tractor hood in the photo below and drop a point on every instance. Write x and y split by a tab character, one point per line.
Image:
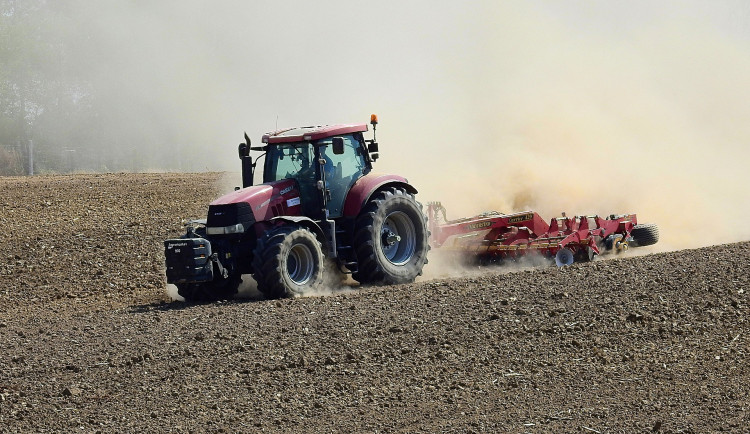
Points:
235	212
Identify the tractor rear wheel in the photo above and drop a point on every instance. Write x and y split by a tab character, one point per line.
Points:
287	262
390	239
645	234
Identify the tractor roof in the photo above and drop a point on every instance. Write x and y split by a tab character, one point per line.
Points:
304	134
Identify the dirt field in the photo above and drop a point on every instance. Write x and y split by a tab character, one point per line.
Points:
90	341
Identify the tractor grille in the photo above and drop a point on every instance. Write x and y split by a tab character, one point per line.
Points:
230	214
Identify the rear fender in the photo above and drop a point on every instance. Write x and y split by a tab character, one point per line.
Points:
367	186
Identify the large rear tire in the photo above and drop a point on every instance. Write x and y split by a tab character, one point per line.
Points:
391	239
645	234
288	262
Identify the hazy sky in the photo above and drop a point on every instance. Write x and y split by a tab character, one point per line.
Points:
577	106
245	64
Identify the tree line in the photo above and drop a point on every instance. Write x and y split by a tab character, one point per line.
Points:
58	112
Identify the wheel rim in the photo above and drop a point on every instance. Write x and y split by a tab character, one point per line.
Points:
398	238
300	264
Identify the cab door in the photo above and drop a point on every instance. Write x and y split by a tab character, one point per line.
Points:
341	171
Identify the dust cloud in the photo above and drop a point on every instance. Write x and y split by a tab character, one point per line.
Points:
450	264
556	111
582	107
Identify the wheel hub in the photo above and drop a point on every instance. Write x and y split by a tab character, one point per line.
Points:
300	264
389	238
621	246
398	238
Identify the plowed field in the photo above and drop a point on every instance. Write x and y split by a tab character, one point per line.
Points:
91	341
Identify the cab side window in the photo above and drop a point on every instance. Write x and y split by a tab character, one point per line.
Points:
342	170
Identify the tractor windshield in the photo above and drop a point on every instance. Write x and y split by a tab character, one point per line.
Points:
290	160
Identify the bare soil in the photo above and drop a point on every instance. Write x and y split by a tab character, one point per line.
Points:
90	341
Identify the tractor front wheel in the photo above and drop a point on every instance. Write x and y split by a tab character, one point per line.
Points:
391	239
287	262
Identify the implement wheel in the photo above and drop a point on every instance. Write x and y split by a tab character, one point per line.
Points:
391	239
288	262
645	234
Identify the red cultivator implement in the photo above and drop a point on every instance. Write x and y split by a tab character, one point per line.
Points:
495	237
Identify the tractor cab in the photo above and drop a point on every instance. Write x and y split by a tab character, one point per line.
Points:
325	161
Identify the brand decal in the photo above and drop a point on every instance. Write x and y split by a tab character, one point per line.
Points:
286	190
172	245
292	202
479	225
521	218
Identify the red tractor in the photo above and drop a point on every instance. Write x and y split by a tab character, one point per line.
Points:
319	200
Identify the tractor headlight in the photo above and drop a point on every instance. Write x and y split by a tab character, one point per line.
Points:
225	230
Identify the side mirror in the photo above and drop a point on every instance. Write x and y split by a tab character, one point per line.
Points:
338	145
372	147
243	150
